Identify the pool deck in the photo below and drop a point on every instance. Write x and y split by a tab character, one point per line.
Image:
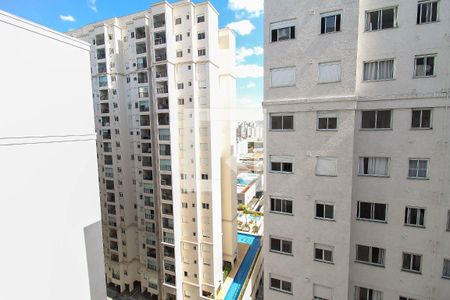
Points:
248	246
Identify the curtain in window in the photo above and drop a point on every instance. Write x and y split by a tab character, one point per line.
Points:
370	71
377	295
386	69
326	166
282	77
329	72
446	271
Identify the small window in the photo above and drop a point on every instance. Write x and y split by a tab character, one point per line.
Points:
280	284
326	121
282	77
281	31
179	53
418	168
376	119
201	19
323	253
331	22
180	85
281	164
322	292
446	270
362	293
374	166
415	216
448	220
204	176
326	166
201	35
141	48
371	255
282	122
412	262
371	211
379	70
381	19
325	211
181	101
282	205
201	52
177	21
178	37
424	66
421	119
205	205
329	72
280	245
140	32
427	12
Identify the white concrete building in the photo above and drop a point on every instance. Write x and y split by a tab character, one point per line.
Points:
50	213
163	87
356	109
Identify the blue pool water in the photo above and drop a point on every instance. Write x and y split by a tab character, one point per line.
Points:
241	275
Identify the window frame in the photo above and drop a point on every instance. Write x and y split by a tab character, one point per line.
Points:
376	119
418	160
380	18
445	276
281	280
407	218
333	159
336	62
325	204
372	212
448	221
421	118
283	204
291	26
323	248
281	241
282	115
419	10
411	260
370	256
199	17
290	68
368	291
282	161
394	69
328	15
375	175
425	56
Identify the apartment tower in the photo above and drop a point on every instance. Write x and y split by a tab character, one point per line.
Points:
162	87
356	108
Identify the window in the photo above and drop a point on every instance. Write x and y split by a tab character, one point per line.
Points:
279	284
177	21
281	122
205	205
406	298
178	37
326	166
362	293
282	77
322	292
331	22
374	166
141	62
411	262
202	84
100	39
201	35
448	220
204	176
381	19
141	48
424	66
376	119
427	12
421	119
180	85
201	19
371	211
371	255
143	92
101	67
280	164
323	253
284	30
326	121
415	216
446	270
280	205
101	54
201	52
418	168
325	211
329	72
142	77
280	245
140	32
180	101
379	70
102	81
179	53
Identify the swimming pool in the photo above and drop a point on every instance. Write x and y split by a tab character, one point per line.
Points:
241	275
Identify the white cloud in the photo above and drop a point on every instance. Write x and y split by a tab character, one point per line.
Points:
67	18
243	27
250	85
249	71
243	52
92	4
254	8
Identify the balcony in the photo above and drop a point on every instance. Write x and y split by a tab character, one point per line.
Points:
113	234
143	92
107	147
166	179
115	258
151	252
163	119
164	150
146	161
164	134
104	108
101	53
144	106
148	188
111	210
108	160
109	185
161	71
169	266
140	33
159	21
166	195
113	245
145	134
160	38
148	201
106	134
142	77
145	120
168	237
152	266
163	103
169	252
162	87
104	95
160	54
105	121
149	214
169	279
102	81
150	227
101	67
165	165
110	197
167	209
100	39
112	221
141	48
147	175
146	148
141	62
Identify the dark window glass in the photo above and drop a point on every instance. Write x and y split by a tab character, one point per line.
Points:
287	167
368	119
276	122
380	212
288	122
276	166
365	210
384	119
388	18
362	253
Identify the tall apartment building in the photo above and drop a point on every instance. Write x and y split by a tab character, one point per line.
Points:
50	217
163	85
356	107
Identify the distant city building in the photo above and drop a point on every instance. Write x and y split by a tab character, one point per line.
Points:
357	150
163	87
50	216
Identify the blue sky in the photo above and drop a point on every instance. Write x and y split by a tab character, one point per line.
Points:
244	16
